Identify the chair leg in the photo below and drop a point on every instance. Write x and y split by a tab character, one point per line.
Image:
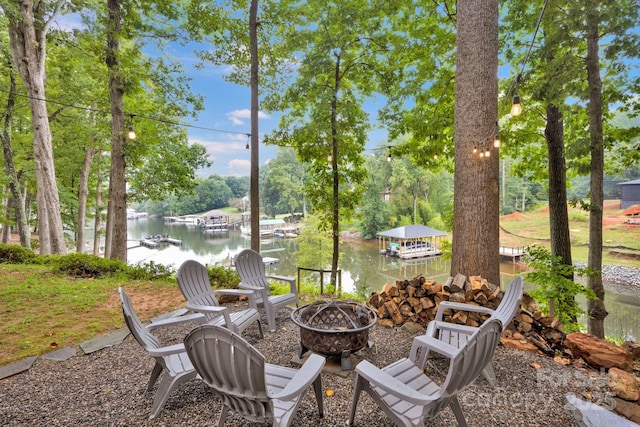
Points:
271	317
457	410
157	369
356	396
164	389
223	415
260	329
317	388
490	375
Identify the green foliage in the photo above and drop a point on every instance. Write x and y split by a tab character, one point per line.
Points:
149	271
223	278
87	265
315	246
552	278
16	254
579	216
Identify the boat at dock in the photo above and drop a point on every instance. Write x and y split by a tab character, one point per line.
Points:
152	242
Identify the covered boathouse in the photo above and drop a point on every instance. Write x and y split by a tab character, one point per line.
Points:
410	241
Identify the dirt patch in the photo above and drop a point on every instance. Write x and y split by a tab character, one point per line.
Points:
611	206
149	303
515	215
632	211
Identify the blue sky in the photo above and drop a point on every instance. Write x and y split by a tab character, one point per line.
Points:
226	108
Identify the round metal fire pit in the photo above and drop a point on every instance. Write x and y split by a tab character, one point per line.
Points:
335	328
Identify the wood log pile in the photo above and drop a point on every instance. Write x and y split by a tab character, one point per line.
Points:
417	300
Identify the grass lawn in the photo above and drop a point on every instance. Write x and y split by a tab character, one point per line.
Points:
41	311
523	229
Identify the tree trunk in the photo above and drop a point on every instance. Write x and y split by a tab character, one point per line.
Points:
117	205
98	214
558	212
27	35
476	239
83	195
10	170
255	155
6	228
335	229
595	308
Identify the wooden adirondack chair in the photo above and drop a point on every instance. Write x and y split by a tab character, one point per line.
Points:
193	280
408	396
171	360
456	335
250	268
245	382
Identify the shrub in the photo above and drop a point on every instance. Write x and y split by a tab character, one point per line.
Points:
16	254
87	265
223	278
148	271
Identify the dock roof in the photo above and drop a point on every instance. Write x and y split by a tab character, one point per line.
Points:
414	231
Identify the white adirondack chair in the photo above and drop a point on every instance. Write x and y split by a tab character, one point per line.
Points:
193	280
250	268
408	396
245	382
171	360
456	335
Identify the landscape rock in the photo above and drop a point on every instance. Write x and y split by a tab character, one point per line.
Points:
597	352
624	384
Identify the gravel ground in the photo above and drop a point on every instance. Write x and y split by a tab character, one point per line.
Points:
107	388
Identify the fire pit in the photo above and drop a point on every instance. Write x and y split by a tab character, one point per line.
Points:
334	329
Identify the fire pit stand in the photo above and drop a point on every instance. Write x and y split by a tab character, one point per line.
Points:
334	328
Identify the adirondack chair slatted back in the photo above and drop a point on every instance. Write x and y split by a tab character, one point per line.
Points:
250	268
233	368
193	280
139	332
510	303
468	364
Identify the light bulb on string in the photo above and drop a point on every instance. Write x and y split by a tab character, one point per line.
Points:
487	153
496	140
389	158
516	107
131	134
329	158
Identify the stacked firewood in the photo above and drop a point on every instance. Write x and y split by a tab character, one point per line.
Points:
417	300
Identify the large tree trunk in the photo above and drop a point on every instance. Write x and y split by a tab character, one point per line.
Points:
558	212
476	238
255	157
595	308
27	35
10	170
116	237
83	195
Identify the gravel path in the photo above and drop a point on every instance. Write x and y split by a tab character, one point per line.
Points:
107	388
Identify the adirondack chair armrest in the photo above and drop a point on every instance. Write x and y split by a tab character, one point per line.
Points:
454	327
178	320
167	351
460	306
305	376
432	344
211	309
240	292
290	280
378	378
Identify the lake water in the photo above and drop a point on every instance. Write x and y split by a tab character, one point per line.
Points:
364	270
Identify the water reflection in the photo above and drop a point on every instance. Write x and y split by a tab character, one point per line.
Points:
364	270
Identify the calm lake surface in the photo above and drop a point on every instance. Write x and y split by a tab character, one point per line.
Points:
364	270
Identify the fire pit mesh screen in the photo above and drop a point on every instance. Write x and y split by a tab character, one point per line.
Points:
330	328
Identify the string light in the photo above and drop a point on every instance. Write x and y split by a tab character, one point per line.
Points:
131	134
329	158
389	157
516	108
496	140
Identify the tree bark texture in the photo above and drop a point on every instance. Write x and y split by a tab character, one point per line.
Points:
83	195
558	211
98	214
476	239
335	226
254	180
27	36
117	204
9	167
595	308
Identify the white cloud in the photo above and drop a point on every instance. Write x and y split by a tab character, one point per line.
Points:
239	167
238	117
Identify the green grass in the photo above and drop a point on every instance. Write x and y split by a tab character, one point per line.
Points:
41	311
533	227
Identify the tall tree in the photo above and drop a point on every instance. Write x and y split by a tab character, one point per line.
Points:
476	193
116	233
29	24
